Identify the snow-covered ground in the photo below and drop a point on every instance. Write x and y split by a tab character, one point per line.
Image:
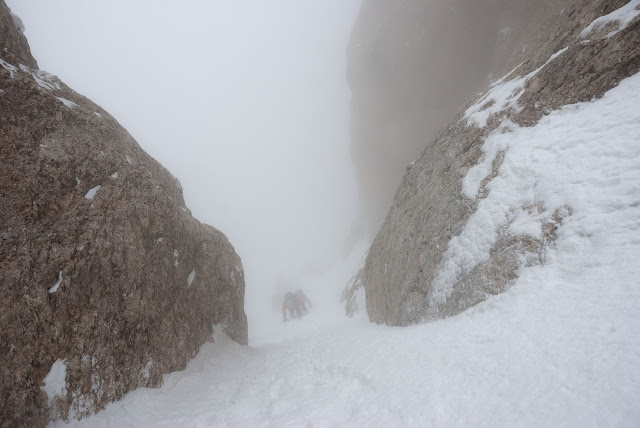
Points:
560	348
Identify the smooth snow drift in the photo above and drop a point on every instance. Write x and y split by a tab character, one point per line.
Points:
560	348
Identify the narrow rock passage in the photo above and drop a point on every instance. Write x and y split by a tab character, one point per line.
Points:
561	347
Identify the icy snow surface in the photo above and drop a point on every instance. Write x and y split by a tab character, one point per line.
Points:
55	383
561	347
622	17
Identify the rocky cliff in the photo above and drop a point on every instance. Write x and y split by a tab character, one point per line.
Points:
411	66
425	262
106	280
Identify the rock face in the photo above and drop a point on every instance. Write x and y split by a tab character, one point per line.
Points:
106	280
412	65
411	274
14	45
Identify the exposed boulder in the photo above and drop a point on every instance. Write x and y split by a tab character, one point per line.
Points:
106	280
416	268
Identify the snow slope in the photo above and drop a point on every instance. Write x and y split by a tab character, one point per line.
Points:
560	348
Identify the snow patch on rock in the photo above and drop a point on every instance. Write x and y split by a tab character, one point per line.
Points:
12	69
55	384
146	371
92	192
55	286
622	17
191	277
66	102
502	96
500	139
42	78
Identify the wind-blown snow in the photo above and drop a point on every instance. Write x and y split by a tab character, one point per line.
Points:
55	286
502	95
622	17
561	347
55	383
92	192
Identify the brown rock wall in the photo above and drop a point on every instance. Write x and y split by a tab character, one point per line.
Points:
142	281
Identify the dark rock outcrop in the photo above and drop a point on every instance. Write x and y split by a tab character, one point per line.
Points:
565	66
104	274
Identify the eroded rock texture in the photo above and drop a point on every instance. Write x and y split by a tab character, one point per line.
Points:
564	65
102	267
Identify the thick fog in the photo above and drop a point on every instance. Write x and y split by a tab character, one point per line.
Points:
413	66
246	102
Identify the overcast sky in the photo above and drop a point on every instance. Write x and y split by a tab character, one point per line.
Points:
246	102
